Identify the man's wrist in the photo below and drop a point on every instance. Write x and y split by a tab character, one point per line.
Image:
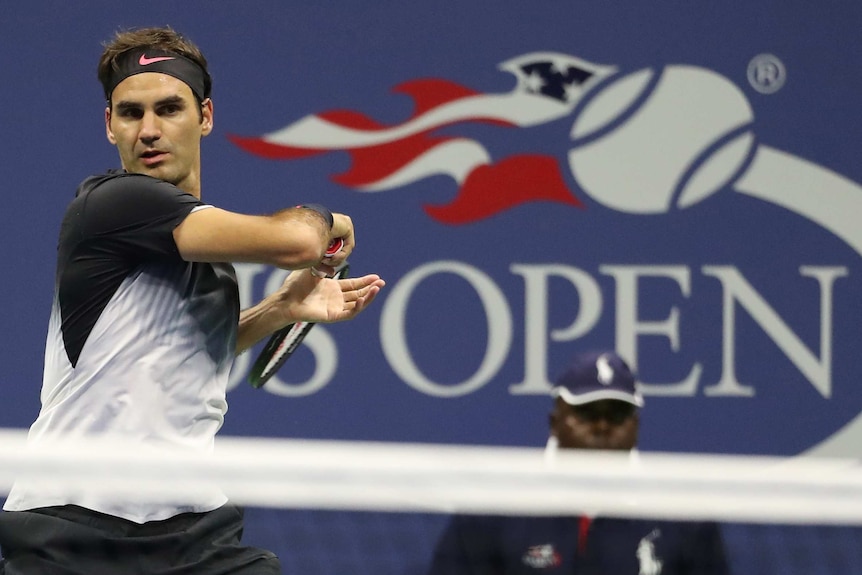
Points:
322	210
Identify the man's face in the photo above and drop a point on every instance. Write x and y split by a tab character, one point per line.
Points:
156	124
603	424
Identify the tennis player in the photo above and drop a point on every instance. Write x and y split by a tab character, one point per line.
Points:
596	406
146	323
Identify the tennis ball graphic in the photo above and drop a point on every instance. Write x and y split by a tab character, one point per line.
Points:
676	142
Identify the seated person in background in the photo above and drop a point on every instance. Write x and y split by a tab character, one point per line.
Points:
596	406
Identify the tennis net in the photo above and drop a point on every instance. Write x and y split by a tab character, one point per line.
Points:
377	508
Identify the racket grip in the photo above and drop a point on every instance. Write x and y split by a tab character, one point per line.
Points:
334	247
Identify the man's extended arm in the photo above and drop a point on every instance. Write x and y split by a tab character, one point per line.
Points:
294	238
291	239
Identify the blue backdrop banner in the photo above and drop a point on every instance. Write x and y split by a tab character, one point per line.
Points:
677	181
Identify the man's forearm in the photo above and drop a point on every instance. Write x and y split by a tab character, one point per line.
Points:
257	322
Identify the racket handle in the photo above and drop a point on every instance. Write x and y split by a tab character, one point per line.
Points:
282	344
334	247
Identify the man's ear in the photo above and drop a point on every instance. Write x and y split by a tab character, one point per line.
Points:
108	131
206	117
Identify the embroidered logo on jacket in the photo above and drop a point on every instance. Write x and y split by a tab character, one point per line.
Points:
649	562
541	557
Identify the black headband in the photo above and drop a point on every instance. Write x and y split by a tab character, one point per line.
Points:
149	60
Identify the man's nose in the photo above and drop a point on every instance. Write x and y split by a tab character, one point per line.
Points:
150	128
602	424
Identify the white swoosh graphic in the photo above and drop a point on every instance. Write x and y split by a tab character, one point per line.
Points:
517	108
828	199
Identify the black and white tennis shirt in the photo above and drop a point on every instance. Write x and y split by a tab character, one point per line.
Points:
140	342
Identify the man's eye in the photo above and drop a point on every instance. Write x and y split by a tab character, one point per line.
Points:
170	109
131	113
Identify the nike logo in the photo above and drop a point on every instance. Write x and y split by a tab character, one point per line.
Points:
143	60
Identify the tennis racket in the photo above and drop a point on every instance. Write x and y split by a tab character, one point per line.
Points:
285	341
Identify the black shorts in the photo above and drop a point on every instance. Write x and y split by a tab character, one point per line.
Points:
71	540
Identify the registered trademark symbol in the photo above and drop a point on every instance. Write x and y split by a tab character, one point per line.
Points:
766	73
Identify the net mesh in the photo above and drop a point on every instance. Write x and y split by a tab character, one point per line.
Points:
371	508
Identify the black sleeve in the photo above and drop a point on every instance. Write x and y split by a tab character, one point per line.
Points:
468	546
115	223
135	215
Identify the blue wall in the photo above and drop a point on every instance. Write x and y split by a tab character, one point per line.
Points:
690	200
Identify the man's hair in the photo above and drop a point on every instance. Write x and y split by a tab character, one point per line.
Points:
164	38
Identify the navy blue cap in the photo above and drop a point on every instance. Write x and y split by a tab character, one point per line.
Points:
597	375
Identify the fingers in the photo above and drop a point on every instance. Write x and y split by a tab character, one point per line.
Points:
353	296
342	227
365	300
358	293
348	284
354	307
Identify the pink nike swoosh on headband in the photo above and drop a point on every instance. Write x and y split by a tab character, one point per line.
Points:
143	60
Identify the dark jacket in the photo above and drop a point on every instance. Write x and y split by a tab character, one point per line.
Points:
503	545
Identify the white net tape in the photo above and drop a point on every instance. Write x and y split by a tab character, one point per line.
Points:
433	478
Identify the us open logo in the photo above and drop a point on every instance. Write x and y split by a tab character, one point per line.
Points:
668	144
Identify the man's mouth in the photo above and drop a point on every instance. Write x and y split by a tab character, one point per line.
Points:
152	157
